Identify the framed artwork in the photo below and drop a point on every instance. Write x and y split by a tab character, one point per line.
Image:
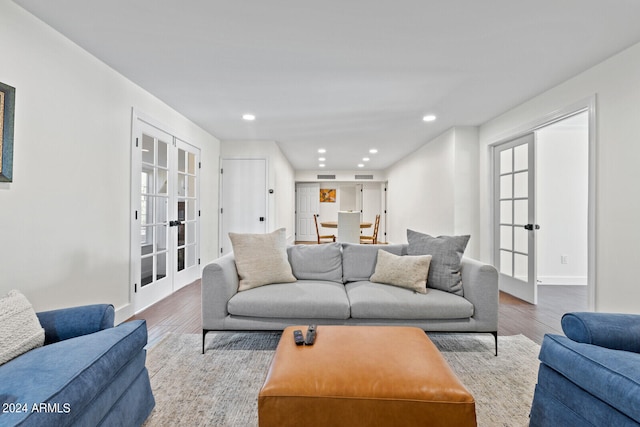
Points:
7	109
327	195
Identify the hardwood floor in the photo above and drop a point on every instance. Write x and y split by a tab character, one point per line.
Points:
180	312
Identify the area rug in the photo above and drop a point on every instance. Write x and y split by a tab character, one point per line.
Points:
220	388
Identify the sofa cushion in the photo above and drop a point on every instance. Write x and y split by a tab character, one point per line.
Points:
301	299
316	262
405	271
447	251
610	375
377	301
261	259
73	372
359	261
20	330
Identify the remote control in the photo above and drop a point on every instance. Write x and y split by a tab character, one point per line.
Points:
297	337
311	335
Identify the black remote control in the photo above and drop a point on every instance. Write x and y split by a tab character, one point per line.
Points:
297	337
311	335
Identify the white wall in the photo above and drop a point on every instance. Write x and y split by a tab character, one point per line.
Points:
434	190
282	202
562	190
64	221
615	82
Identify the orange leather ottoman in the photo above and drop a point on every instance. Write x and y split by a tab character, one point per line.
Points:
362	376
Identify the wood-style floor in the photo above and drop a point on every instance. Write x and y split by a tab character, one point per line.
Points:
180	312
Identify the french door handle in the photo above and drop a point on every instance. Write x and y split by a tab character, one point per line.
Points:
175	223
532	227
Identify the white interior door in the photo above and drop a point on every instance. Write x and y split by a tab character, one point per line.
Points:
515	226
243	207
307	204
165	217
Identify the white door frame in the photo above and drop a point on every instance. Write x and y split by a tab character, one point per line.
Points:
589	105
316	204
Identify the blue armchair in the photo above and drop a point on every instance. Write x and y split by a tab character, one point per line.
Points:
88	373
591	377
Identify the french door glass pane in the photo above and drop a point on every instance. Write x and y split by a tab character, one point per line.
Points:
191	256
521	212
521	267
506	237
163	154
506	187
506	162
161	238
521	240
506	263
521	184
506	212
181	161
148	149
192	164
180	259
162	181
521	157
191	210
182	183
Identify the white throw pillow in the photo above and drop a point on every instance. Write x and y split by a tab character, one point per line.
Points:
405	271
261	259
20	329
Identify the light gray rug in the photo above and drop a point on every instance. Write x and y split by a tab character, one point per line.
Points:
220	388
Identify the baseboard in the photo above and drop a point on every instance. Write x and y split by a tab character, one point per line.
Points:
562	280
123	313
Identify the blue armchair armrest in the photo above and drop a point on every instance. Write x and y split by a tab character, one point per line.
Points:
73	322
609	330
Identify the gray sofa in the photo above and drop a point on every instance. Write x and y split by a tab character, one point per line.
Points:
333	288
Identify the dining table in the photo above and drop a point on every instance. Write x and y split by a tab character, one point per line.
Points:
334	224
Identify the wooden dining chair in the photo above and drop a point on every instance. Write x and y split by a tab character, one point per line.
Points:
374	238
325	237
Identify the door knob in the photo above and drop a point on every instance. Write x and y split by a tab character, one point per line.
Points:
175	223
532	227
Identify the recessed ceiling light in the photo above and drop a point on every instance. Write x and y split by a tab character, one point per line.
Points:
321	150
321	159
248	117
429	118
373	151
360	165
321	165
365	159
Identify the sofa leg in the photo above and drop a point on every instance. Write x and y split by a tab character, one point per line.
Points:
495	335
204	334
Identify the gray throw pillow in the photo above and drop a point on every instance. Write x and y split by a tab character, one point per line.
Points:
316	262
447	251
261	259
404	271
20	329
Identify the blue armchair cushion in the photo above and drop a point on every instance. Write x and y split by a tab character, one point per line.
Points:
610	330
611	376
73	322
73	373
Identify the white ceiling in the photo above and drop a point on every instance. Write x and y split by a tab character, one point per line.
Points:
345	75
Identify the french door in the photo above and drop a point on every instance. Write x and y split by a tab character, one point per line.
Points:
514	223
165	220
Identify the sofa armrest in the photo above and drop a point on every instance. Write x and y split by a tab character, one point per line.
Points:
73	322
609	330
480	286
219	283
